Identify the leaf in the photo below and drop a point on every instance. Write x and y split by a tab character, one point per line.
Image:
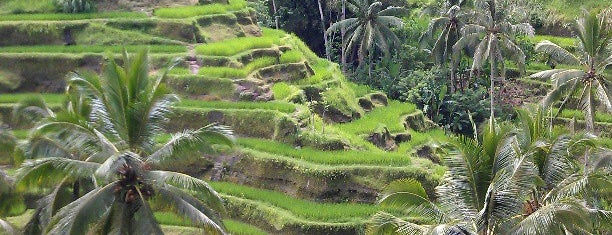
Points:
186	182
48	171
191	208
5	227
556	52
551	218
76	217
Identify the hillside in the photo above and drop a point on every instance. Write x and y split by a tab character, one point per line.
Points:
313	149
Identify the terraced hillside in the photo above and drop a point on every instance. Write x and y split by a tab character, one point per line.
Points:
314	150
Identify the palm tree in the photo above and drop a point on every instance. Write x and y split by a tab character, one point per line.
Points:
492	36
8	199
370	29
590	82
537	190
449	26
100	157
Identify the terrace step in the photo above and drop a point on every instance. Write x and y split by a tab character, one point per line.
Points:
323	182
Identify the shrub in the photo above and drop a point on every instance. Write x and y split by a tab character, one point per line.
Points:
389	116
423	88
76	6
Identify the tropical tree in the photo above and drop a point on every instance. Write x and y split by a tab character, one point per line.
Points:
589	84
491	35
8	200
449	25
535	188
370	29
100	157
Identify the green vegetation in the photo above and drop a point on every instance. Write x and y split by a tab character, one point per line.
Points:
324	71
571	113
565	42
278	106
26	6
92	49
209	9
308	154
239	228
237	45
327	212
72	16
225	72
292	56
389	116
16	98
282	90
569	10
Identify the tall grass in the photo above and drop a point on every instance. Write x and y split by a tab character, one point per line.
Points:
26	6
327	212
16	98
276	33
72	16
92	49
236	45
350	157
232	226
292	56
565	42
571	113
239	228
278	106
283	90
226	72
389	116
209	9
322	73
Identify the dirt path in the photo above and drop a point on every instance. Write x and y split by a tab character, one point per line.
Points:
192	59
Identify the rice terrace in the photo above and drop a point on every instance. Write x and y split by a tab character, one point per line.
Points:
249	117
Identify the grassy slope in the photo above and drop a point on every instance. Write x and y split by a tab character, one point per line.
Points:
299	211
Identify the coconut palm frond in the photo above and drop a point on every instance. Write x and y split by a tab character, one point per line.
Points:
558	92
393	11
482	53
77	216
385	223
557	53
473	28
32	109
208	135
5	227
604	94
207	194
557	164
50	171
192	208
411	187
515	53
523	29
546	74
551	218
577	184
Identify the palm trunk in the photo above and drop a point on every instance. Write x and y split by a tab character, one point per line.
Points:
342	32
452	78
370	66
76	190
275	16
323	28
492	91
